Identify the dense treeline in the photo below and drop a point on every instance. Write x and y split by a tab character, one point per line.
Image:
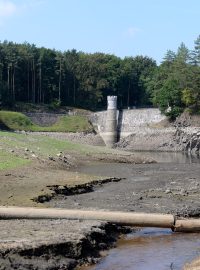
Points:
175	85
41	75
71	78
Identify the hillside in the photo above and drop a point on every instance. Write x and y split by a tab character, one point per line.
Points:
18	121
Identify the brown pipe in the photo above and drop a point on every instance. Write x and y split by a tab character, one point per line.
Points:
187	225
123	218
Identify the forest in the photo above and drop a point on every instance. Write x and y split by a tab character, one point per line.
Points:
46	76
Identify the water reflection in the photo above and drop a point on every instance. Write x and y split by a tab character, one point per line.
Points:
169	157
151	249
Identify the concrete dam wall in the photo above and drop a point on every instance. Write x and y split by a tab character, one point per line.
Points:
128	121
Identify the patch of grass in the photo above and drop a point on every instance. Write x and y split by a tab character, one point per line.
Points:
19	121
9	161
73	123
44	146
41	146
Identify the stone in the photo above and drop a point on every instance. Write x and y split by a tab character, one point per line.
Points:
167	191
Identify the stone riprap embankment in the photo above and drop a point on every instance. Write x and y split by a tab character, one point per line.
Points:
44	119
149	130
188	139
128	120
163	139
150	139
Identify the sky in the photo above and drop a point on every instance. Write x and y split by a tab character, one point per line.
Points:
120	27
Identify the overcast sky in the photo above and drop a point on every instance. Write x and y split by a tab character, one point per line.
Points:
120	27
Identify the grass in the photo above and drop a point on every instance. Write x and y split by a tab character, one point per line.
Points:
13	145
43	147
18	121
9	161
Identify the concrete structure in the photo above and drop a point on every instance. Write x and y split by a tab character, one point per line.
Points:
110	133
129	121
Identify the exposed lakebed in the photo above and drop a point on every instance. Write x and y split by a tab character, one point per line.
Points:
170	186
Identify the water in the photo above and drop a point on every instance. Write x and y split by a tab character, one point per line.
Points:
151	249
168	157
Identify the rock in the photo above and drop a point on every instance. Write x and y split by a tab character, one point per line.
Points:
167	191
51	158
183	192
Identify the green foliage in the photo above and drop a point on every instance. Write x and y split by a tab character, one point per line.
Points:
188	97
175	84
18	121
5	99
55	104
40	75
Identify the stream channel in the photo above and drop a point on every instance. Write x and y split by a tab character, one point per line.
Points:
148	248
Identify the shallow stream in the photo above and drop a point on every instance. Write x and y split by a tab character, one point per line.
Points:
151	248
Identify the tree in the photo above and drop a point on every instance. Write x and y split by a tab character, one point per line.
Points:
169	57
182	54
195	54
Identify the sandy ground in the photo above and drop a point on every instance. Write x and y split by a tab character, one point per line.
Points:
20	187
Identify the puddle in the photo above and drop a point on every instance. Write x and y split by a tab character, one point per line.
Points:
151	249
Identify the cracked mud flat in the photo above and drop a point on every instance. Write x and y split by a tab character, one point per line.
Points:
162	188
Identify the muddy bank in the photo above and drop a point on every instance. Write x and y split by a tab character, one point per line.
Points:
53	244
73	190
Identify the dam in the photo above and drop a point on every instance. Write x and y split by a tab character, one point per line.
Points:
115	124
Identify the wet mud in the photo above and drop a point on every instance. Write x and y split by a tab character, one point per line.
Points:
75	190
158	187
54	244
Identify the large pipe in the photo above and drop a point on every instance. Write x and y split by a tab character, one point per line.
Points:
187	225
123	218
